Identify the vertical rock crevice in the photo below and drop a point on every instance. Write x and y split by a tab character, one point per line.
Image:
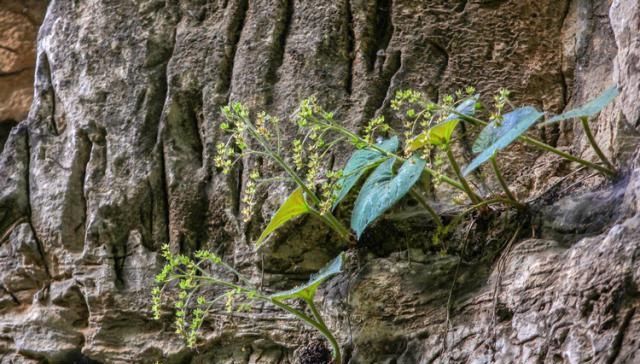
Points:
281	33
382	30
351	46
41	249
236	18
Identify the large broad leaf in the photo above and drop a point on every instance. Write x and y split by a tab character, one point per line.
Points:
308	290
589	109
497	136
359	163
294	206
382	190
441	133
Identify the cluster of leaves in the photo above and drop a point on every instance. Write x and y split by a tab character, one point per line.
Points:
390	168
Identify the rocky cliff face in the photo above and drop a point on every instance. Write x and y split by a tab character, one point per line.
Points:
115	158
19	22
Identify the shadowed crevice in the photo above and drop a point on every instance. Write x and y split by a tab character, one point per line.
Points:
159	148
616	345
234	30
281	33
382	30
13	296
5	129
391	68
44	86
351	44
27	177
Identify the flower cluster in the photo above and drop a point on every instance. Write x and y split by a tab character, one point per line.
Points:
328	190
249	197
298	154
236	127
190	277
419	116
406	97
305	160
265	123
375	124
499	102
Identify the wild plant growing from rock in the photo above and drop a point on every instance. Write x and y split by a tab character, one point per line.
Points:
306	168
390	167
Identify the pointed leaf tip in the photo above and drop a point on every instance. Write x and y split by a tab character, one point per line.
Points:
497	136
308	291
382	190
360	162
589	109
294	206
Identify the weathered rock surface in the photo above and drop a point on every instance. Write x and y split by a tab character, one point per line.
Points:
19	23
115	158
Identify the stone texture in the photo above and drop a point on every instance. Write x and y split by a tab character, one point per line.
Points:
115	158
19	22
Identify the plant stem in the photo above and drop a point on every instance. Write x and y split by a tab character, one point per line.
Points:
334	343
594	145
425	204
317	325
456	168
328	218
606	171
334	224
503	183
568	156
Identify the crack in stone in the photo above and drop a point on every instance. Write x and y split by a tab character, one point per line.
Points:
41	249
233	36
281	33
13	296
616	345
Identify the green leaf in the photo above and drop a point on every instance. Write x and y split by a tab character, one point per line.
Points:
497	136
441	134
383	189
294	206
359	163
308	291
589	109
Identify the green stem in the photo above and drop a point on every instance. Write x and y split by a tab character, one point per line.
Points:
456	168
298	181
334	224
425	204
503	183
594	145
317	325
568	156
544	146
315	312
328	218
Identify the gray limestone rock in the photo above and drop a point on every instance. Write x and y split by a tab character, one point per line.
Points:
116	158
